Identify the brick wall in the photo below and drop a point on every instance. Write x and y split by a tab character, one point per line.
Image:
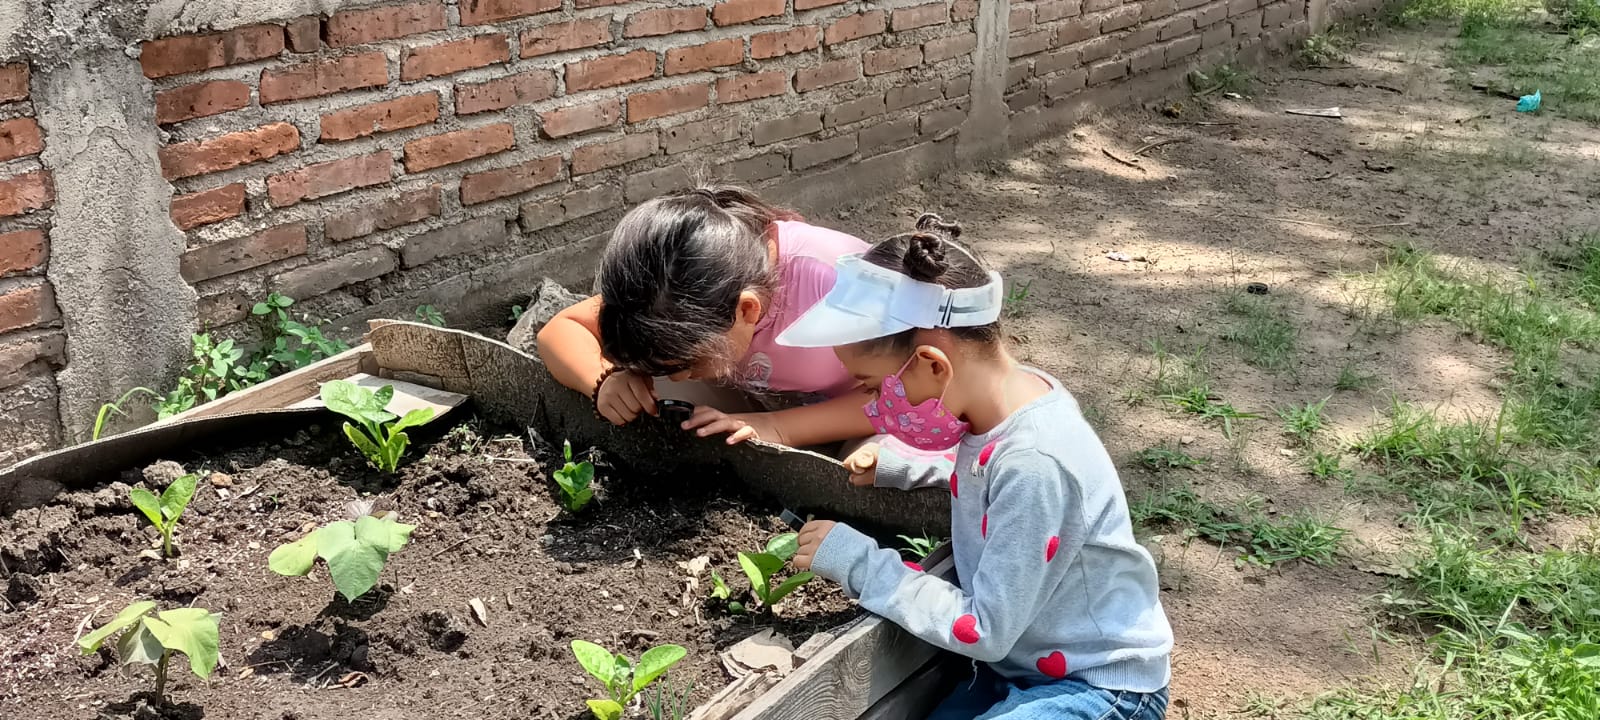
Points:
393	153
31	340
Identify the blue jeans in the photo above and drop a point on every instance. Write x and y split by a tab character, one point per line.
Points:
991	697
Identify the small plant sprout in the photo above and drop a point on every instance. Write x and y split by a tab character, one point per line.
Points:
354	551
516	312
115	408
430	315
151	640
1015	300
379	434
575	480
1302	422
622	679
669	701
1164	457
165	510
921	547
763	567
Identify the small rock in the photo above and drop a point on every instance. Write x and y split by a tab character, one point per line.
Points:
1187	440
161	473
1257	288
221	480
619	607
605	593
23	589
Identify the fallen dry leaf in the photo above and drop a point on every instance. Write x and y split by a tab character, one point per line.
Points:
479	611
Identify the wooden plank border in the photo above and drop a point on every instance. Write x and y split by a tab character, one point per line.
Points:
286	389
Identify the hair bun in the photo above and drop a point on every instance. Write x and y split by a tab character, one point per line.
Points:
924	259
931	223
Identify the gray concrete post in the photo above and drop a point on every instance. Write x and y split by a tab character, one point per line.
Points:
985	133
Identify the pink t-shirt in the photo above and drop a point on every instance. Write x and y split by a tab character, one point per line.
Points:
806	257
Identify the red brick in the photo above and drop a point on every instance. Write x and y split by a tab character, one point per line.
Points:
324	77
1021	19
520	89
1075	31
459	146
22	250
1034	42
365	25
411	206
878	62
1107	71
822	151
695	58
1157	9
26	192
1056	62
696	135
1212	14
667	101
329	178
854	110
200	100
600	156
946	48
665	21
1240	7
827	74
193	53
855	27
783	42
814	4
453	57
1182	48
563	36
505	182
198	157
1139	37
1057	9
920	16
964	10
1099	48
380	117
303	35
610	71
541	214
20	138
13	82
1093	6
749	86
240	254
481	12
1175	26
1120	18
583	4
562	122
208	206
755	169
23	306
734	12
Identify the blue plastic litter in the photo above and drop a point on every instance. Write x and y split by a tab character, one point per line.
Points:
1529	103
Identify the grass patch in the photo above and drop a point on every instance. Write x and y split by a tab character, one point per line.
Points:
1184	382
1016	301
1166	457
1261	330
1221	80
1352	378
1328	466
1264	541
1302	422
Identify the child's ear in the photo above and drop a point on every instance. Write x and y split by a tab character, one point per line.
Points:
749	309
937	362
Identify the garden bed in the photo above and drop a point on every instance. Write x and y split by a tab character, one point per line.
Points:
488	528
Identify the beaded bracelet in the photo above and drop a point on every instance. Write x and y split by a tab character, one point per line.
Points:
595	396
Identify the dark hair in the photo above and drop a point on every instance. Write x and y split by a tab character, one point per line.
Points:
930	254
672	274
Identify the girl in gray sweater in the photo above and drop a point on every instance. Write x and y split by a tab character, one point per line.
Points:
1055	598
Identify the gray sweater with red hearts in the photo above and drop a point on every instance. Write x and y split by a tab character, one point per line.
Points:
1052	582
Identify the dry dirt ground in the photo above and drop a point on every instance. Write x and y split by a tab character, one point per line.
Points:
1244	193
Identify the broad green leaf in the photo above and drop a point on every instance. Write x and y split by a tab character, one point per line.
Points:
596	660
621	685
605	709
295	558
355	568
383	533
129	615
583	475
393	449
260	308
355	402
177	496
758	579
149	505
1587	655
358	437
655	662
579	500
191	631
381	398
784	546
789	586
419	416
334	537
139	647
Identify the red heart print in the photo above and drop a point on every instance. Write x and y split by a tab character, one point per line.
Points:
966	630
1051	547
953	492
913	566
1053	665
988	450
985	528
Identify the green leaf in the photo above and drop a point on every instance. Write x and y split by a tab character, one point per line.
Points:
754	570
566	449
295	558
419	416
129	615
605	709
139	647
579	500
621	685
382	397
784	546
358	437
393	448
356	402
596	660
355	568
149	505
1587	655
177	496
191	631
719	587
260	308
789	586
383	533
655	662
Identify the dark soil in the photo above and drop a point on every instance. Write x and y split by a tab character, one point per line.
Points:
488	527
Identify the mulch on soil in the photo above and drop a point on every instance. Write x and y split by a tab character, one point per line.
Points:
488	527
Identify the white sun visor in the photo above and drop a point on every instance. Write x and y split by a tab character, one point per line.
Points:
869	302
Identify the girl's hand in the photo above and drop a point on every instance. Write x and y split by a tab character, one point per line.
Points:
863	465
624	396
811	537
708	421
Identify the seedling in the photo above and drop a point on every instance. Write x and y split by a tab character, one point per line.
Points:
622	679
669	701
576	481
378	435
1302	422
354	551
430	315
516	312
922	547
165	510
1163	457
108	409
762	568
1016	299
148	640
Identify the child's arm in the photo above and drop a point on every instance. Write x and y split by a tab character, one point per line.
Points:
570	346
1027	549
828	421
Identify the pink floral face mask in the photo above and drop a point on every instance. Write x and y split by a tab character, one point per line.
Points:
926	425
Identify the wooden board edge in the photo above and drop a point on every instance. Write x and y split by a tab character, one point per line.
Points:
284	390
